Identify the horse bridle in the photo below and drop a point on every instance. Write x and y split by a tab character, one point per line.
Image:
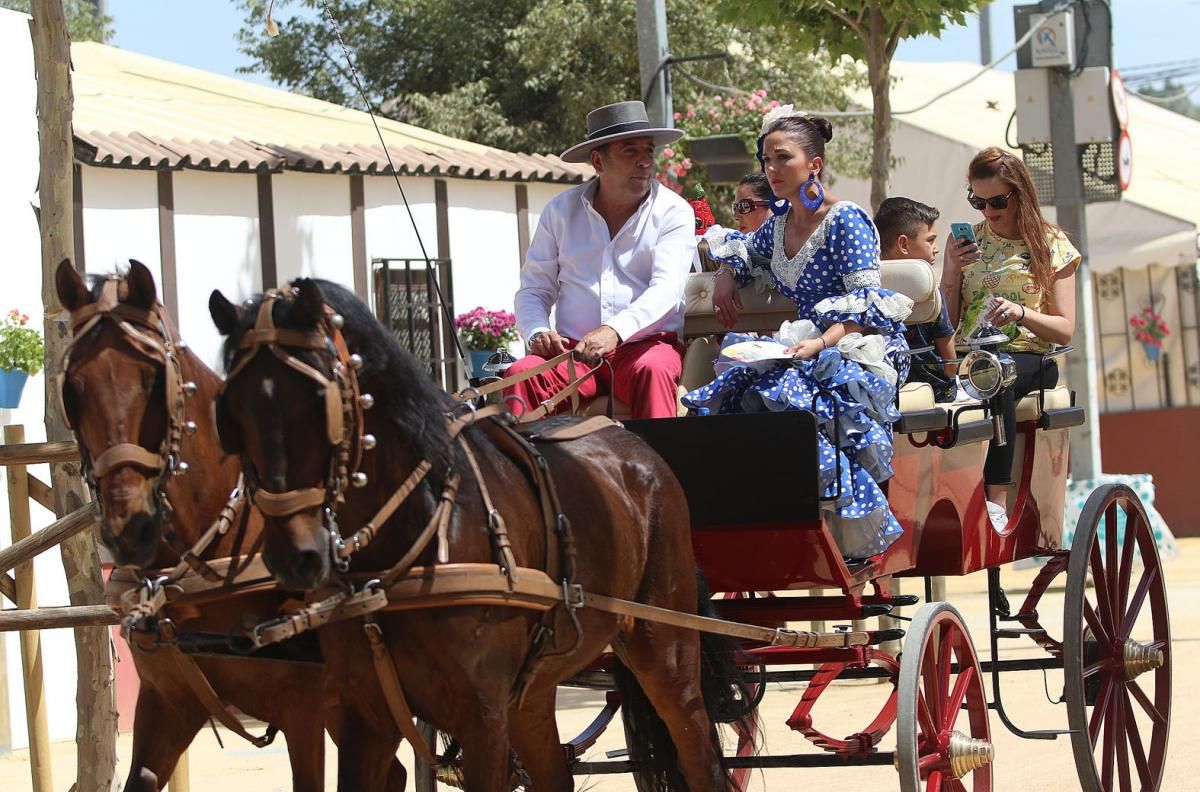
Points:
149	333
344	406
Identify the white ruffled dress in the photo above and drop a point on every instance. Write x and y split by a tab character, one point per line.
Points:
851	387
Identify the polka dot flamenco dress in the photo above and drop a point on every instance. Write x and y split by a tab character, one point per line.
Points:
834	277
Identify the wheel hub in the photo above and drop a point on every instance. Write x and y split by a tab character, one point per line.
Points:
1140	658
967	754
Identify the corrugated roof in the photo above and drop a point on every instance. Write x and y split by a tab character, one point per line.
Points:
134	111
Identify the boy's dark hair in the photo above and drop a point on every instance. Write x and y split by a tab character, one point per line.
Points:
759	185
898	216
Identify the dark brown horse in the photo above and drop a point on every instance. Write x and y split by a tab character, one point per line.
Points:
115	394
458	666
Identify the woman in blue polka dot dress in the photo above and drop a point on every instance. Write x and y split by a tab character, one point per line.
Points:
823	255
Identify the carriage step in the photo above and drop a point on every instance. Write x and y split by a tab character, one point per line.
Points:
1017	632
883	636
870	611
903	600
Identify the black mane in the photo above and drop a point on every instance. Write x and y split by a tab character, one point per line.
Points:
403	390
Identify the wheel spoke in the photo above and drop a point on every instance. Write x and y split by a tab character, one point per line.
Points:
1149	575
1098	630
1120	745
930	676
1129	549
934	782
1110	743
925	719
1111	560
1099	711
1147	705
956	785
1100	580
965	678
1136	748
1096	667
945	648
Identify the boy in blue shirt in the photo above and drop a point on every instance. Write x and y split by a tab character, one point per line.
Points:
908	230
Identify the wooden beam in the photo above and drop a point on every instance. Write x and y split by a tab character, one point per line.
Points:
57	617
441	200
77	214
36	717
40	492
522	195
23	550
8	587
266	231
166	242
358	236
38	453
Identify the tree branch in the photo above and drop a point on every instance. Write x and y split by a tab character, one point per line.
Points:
854	23
894	40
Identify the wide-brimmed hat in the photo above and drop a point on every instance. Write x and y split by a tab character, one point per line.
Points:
617	122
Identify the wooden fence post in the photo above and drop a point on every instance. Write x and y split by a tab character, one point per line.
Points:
179	778
31	641
95	704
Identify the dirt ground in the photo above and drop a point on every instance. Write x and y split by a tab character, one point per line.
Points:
1022	765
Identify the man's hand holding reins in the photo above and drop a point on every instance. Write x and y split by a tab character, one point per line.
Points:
547	344
597	344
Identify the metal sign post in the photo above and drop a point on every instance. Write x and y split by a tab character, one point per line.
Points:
652	52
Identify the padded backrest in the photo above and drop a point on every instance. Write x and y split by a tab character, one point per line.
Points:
915	279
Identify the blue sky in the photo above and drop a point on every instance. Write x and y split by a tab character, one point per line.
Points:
201	33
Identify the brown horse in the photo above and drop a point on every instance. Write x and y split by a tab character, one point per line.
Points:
115	394
459	665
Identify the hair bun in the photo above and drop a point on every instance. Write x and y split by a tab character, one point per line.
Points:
823	126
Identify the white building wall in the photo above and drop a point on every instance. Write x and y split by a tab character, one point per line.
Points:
312	227
389	230
540	194
217	246
22	281
120	220
483	244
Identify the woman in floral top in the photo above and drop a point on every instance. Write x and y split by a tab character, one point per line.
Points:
1021	278
822	254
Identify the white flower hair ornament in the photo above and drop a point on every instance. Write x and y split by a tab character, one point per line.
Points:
776	113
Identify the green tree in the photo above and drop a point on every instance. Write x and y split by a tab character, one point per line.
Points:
521	75
84	21
868	31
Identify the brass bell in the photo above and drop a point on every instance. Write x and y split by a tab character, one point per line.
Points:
368	442
337	321
366	401
356	361
358	479
189	427
189	388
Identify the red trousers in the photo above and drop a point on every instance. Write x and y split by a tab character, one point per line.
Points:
645	375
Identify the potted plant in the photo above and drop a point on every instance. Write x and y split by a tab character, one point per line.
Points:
21	354
1150	329
483	333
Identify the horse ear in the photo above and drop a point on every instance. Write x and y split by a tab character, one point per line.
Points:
309	306
225	315
73	293
142	292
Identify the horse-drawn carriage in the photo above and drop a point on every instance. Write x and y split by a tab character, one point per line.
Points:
440	564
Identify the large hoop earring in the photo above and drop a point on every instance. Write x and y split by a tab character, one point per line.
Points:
780	206
812	204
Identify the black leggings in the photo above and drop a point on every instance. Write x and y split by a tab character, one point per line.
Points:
998	467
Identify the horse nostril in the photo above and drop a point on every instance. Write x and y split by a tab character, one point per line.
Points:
141	530
310	566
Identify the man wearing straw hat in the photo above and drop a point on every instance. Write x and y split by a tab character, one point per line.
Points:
611	256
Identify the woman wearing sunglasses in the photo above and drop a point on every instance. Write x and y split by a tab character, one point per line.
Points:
1021	278
752	202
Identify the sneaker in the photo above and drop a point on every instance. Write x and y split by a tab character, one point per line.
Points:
997	515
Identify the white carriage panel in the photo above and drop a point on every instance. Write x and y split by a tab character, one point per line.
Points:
120	220
483	244
217	246
390	233
312	227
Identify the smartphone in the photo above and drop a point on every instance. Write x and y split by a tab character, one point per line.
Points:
963	231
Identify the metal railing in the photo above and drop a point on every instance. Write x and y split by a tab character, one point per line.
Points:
408	301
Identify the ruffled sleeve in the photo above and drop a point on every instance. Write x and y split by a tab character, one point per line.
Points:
747	254
853	246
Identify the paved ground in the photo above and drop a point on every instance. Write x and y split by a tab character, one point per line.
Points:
1020	765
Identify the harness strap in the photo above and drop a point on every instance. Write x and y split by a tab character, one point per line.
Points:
338	607
363	536
496	525
203	691
126	454
437	524
281	504
393	691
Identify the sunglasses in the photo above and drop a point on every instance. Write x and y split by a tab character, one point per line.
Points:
746	205
996	201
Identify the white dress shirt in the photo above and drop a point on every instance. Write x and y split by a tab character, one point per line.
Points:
632	281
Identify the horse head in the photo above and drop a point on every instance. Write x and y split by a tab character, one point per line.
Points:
295	407
125	393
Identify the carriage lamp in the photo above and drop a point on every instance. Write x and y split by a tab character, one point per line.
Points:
984	375
499	362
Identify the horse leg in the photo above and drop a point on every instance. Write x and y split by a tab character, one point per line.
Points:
666	664
306	753
162	731
486	756
534	734
367	752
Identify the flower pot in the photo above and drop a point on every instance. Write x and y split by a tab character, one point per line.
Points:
1152	352
478	358
11	385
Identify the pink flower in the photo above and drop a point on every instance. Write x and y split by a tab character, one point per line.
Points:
774	103
687	163
680	171
729	103
668	152
717	98
750	105
761	92
678	116
691	113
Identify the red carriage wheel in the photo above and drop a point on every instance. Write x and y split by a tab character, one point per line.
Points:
1117	646
943	740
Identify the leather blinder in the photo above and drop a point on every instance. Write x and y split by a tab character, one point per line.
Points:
334	419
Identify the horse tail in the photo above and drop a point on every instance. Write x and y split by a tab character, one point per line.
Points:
727	699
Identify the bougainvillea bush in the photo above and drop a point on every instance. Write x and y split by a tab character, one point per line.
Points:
486	331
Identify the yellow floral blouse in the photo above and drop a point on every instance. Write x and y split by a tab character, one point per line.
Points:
1003	270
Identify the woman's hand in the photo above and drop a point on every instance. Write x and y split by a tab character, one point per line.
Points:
959	253
806	350
1004	312
725	297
